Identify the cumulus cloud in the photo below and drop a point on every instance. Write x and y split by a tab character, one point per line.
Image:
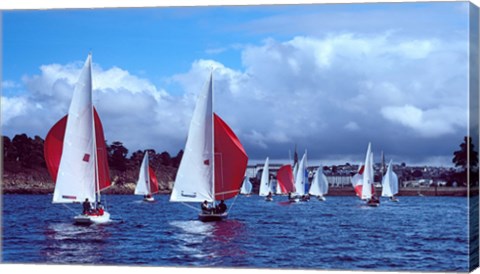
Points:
430	122
331	94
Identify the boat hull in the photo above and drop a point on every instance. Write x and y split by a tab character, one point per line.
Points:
212	217
149	200
90	219
268	199
321	198
373	204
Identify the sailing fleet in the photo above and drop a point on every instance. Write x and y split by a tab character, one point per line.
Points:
213	167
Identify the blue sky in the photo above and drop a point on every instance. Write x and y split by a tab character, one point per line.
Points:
329	78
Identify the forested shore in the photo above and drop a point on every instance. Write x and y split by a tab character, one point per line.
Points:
24	170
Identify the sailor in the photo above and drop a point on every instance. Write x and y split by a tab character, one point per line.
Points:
87	207
205	207
222	207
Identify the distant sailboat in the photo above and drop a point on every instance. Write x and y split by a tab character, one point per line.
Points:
246	186
286	182
214	161
147	183
265	186
301	179
319	185
390	184
76	155
363	180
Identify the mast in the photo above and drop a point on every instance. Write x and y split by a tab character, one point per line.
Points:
95	157
148	182
213	138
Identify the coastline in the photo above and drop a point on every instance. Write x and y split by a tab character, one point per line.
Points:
42	188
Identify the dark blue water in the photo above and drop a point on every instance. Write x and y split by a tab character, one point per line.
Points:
417	234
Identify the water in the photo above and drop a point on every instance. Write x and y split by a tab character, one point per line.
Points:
417	234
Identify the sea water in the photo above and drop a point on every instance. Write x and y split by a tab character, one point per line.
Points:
416	234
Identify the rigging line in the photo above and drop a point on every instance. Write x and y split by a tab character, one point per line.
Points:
190	206
69	208
228	211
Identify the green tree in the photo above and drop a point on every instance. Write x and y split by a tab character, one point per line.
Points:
117	156
460	156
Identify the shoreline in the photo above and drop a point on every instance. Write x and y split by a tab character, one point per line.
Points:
128	189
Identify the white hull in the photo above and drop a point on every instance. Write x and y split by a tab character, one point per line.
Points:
150	199
321	198
89	219
268	199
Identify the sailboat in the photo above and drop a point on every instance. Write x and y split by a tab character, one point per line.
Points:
214	161
265	186
390	184
319	185
363	180
76	154
246	187
301	179
147	183
285	181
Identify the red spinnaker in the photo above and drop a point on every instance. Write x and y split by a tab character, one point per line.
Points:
153	181
53	148
230	161
285	179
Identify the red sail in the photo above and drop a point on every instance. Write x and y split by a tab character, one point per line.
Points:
53	148
230	161
285	179
153	181
357	180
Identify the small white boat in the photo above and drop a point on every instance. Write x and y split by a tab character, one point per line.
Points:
246	187
301	179
265	185
319	185
76	154
363	181
390	184
147	183
85	219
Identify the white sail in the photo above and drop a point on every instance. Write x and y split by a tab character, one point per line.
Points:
319	185
265	180
300	179
389	182
368	175
246	186
143	183
278	189
194	182
76	174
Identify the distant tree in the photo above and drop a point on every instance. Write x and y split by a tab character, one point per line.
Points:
165	158
460	156
117	156
136	159
417	173
177	159
460	159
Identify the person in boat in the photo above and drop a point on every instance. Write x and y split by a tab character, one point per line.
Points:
269	195
222	207
87	207
206	208
100	209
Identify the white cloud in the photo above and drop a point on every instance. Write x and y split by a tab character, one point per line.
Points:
430	122
10	84
13	107
310	91
352	126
